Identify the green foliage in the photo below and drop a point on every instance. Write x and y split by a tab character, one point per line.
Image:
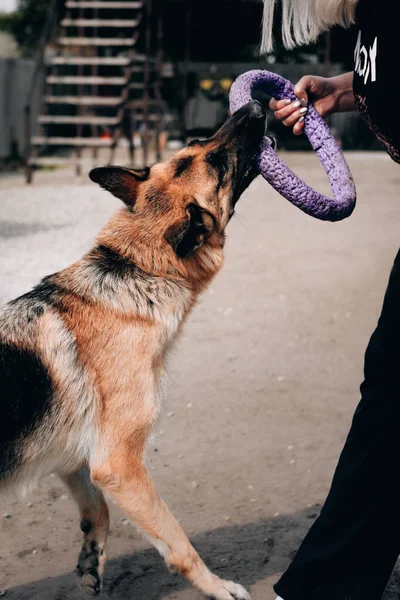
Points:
26	24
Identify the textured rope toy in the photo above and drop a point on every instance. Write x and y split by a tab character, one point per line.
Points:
274	170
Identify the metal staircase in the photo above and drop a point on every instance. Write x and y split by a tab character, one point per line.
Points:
91	78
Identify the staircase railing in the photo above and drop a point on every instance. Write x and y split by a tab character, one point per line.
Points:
48	33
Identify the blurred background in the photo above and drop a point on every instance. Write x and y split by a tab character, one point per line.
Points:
143	74
265	380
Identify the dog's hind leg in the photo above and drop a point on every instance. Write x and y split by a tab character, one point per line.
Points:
127	480
94	524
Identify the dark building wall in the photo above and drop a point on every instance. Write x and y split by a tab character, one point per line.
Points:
15	79
230	30
224	41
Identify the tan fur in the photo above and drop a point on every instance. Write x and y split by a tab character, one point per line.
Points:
102	329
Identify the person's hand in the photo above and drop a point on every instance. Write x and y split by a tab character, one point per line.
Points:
324	93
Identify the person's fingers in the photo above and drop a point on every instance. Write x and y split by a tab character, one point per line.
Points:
287	106
299	126
287	111
275	104
292	114
292	119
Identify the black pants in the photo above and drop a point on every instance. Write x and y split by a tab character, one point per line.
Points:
350	551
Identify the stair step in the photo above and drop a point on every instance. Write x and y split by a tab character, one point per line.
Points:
112	5
72	120
100	23
84	41
77	80
40	140
85	100
121	61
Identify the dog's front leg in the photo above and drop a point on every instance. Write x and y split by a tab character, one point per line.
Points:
128	481
94	524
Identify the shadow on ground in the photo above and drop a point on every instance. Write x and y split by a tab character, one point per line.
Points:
245	553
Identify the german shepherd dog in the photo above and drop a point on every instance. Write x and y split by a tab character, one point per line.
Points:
82	355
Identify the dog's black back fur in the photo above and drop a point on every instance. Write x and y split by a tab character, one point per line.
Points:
26	391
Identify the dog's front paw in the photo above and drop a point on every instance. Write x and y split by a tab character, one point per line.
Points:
228	590
90	568
90	582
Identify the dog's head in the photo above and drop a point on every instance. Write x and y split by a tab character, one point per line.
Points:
185	203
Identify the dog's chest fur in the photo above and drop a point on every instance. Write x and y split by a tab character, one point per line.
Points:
100	346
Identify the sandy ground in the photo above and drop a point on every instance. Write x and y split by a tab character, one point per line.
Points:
263	383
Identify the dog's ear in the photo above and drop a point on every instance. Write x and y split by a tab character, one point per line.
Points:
189	234
119	181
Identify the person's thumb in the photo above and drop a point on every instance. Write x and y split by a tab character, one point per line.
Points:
301	88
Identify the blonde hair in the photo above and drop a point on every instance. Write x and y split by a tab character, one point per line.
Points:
304	20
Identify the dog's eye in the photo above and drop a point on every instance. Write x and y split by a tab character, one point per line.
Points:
208	220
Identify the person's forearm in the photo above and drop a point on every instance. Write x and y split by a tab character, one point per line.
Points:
344	92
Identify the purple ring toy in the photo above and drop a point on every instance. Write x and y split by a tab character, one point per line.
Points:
274	170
